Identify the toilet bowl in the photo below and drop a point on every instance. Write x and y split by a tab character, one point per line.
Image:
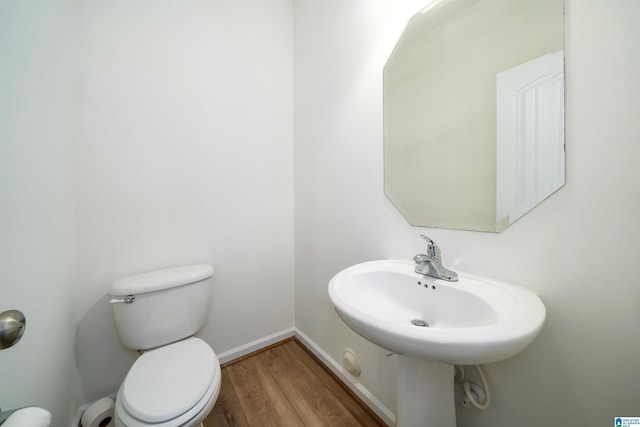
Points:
176	380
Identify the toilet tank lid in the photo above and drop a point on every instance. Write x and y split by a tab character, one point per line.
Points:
161	279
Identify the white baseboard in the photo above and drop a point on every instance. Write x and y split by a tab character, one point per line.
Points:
245	349
360	390
78	417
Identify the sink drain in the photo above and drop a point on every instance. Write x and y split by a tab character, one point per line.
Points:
419	322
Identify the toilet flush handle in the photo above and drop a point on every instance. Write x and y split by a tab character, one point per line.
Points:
129	299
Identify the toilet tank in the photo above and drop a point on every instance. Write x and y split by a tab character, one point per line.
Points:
160	307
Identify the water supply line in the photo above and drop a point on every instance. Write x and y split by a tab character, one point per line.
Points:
470	395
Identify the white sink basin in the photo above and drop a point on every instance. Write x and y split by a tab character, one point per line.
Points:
471	321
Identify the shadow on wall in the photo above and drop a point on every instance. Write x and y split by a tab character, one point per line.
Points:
508	377
102	360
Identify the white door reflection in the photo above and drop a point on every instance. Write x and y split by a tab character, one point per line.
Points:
530	135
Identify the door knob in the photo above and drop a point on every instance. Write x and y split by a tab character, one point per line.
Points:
12	325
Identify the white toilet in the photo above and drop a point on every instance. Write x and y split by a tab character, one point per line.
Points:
176	380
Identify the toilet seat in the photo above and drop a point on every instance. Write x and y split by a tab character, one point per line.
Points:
170	386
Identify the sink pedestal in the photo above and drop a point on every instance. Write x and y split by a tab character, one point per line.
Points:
424	393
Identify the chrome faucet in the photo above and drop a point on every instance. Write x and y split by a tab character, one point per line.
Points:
430	264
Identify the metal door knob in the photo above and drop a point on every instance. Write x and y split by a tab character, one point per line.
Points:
12	325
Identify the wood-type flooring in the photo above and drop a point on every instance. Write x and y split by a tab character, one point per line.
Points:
285	386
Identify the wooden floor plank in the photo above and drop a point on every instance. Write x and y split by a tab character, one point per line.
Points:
261	399
285	385
227	411
316	404
360	414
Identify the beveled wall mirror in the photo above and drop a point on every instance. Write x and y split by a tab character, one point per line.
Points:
474	112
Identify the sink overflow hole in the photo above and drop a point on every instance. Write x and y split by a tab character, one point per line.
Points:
419	322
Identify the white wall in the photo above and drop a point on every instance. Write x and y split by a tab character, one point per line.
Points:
577	249
36	205
184	154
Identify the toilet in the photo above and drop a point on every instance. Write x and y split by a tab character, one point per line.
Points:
176	380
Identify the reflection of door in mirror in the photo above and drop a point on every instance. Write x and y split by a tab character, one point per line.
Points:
530	135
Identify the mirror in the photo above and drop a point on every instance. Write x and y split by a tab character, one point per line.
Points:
474	112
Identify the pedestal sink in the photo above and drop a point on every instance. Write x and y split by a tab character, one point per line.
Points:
432	325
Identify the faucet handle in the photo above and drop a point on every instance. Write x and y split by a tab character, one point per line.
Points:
432	249
431	263
421	258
